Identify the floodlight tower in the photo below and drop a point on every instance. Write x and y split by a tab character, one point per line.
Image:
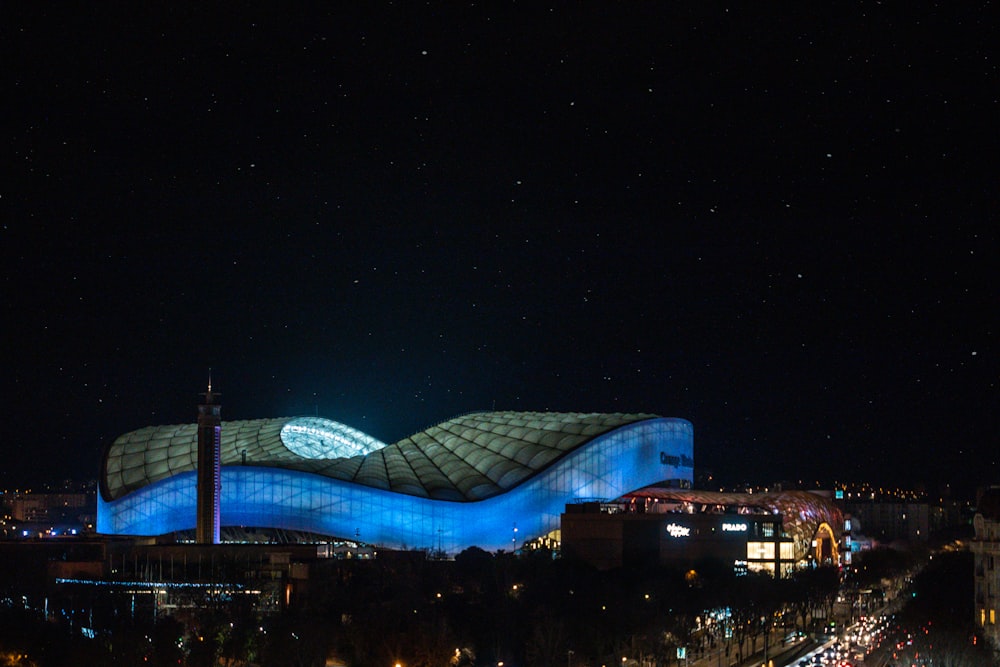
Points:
209	467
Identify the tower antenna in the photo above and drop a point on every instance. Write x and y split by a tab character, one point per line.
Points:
210	395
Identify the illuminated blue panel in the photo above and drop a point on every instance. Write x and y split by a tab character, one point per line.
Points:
611	465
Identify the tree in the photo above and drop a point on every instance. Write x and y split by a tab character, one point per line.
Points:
876	565
810	590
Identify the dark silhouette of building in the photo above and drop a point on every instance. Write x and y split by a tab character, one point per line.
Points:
986	547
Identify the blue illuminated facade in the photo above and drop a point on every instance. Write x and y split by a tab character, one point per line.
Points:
492	480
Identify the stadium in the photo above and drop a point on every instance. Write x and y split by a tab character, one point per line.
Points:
493	480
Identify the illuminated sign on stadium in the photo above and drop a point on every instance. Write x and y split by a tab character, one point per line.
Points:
678	531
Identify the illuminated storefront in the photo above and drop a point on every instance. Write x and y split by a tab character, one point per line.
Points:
772	533
610	539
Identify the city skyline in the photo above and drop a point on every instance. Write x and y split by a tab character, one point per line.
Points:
778	227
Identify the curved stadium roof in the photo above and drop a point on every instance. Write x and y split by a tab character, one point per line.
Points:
488	479
467	458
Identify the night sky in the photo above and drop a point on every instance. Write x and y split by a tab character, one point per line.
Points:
781	226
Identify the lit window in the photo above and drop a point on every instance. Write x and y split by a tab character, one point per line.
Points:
761	567
760	550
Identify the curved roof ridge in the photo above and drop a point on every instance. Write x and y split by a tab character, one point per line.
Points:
519	468
457	462
427	481
493	478
484	453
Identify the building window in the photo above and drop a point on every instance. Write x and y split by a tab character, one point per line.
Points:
761	567
760	550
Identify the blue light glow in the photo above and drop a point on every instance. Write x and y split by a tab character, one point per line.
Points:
622	460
